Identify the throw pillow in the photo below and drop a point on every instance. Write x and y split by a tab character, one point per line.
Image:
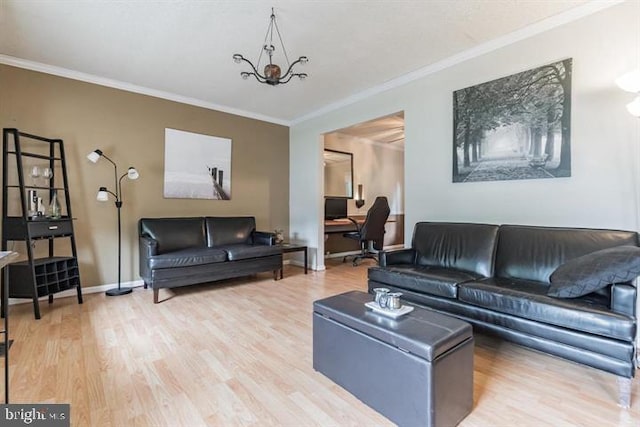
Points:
588	273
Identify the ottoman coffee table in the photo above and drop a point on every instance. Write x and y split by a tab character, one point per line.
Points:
417	369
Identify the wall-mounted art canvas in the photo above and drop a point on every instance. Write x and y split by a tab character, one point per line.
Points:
516	127
196	166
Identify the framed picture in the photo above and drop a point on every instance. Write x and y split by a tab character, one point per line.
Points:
196	166
516	127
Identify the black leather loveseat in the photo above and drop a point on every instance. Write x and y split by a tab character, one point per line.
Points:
185	251
499	279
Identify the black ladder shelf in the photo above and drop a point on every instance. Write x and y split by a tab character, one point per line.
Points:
45	276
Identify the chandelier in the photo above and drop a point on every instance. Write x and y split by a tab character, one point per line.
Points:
272	73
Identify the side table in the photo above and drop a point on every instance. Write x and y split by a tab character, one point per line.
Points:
294	247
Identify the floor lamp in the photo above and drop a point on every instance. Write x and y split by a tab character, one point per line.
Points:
103	196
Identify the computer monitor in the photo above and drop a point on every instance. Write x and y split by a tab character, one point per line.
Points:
335	208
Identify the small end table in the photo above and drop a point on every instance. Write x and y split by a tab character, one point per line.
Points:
294	247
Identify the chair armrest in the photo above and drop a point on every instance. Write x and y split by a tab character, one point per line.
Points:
354	223
264	238
400	256
148	247
623	299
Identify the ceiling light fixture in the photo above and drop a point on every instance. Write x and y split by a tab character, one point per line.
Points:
272	74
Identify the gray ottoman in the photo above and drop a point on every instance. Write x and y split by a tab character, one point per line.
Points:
416	370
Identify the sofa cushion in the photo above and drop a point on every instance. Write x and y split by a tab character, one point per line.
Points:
432	280
236	252
588	273
528	299
461	246
533	253
174	233
229	230
187	257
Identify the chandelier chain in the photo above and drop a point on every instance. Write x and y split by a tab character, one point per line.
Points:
284	49
269	30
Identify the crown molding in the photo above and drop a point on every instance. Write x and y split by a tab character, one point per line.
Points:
484	48
513	37
129	87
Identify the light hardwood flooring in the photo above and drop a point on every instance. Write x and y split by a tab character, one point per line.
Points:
240	354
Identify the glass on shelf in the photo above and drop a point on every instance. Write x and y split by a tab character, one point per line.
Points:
34	173
47	174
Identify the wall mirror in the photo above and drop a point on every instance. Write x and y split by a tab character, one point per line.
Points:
338	174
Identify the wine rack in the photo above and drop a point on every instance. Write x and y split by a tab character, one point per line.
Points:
34	277
52	275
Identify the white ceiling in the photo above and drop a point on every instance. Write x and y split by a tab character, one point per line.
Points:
388	130
183	49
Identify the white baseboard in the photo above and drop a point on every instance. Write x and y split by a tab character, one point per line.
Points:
73	293
301	265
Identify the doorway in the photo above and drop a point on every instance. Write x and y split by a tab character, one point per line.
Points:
377	151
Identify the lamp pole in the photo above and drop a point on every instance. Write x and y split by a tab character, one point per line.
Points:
103	193
119	290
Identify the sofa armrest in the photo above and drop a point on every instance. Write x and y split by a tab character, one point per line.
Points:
623	299
263	238
400	256
148	247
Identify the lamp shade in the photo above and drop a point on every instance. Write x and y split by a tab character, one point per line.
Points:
132	173
630	82
103	195
634	107
94	156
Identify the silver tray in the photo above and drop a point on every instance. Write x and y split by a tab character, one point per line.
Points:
387	312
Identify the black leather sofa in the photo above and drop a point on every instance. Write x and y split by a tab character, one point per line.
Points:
185	251
497	278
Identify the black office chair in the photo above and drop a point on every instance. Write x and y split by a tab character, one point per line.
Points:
372	230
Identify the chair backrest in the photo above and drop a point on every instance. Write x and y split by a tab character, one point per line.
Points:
230	230
373	226
173	234
533	253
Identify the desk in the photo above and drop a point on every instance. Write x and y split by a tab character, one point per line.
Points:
333	226
334	242
292	247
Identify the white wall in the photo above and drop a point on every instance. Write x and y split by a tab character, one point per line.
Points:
379	169
603	189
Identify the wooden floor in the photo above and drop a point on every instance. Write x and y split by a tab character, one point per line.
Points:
240	354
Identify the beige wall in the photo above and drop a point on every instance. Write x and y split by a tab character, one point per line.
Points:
129	128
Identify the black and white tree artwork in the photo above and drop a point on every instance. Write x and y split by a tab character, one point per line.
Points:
516	127
196	166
